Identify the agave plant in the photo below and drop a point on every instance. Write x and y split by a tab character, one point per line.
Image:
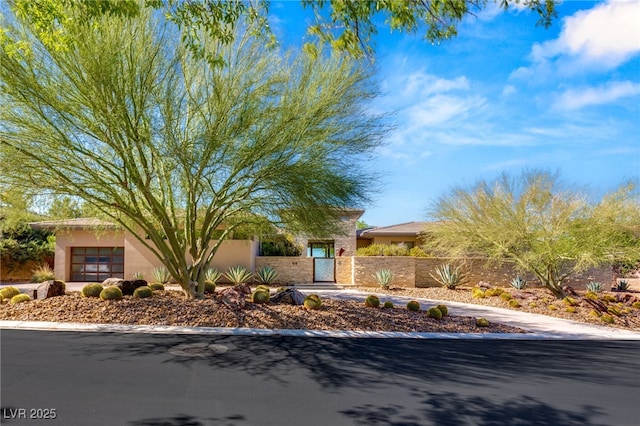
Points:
384	277
448	276
266	275
519	283
161	275
623	285
138	275
212	275
594	286
238	274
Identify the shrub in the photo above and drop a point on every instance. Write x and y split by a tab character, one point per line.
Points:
260	296
594	287
519	283
212	275
388	305
623	285
266	275
9	292
418	252
413	306
20	298
569	301
42	273
209	287
383	250
159	287
372	301
505	296
608	319
92	290
142	292
514	303
312	302
434	313
482	322
443	309
280	245
448	277
238	274
111	293
384	277
161	275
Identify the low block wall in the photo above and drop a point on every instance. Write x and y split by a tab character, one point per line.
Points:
404	269
291	270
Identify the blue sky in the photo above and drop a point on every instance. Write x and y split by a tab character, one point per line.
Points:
503	96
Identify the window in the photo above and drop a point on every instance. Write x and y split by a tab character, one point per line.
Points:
96	264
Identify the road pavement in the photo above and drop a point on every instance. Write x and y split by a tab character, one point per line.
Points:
196	380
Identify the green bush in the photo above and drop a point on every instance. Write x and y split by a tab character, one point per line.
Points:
388	304
111	293
443	309
383	250
434	313
9	292
418	252
209	287
372	301
413	306
20	298
160	287
42	273
142	292
312	302
280	245
482	322
92	290
266	275
260	296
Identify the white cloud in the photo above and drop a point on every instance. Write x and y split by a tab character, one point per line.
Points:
508	90
423	84
578	98
600	38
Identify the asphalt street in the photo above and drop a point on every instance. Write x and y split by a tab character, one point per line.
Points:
109	379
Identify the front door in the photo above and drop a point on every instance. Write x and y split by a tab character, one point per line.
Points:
324	266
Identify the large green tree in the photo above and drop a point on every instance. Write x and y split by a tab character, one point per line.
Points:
533	223
174	147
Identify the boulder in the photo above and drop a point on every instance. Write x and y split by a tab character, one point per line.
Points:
234	297
127	287
290	296
51	288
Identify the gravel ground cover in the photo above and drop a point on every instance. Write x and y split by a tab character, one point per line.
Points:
540	301
170	308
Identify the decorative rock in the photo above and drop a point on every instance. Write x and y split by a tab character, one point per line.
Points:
235	297
112	281
51	288
127	287
290	296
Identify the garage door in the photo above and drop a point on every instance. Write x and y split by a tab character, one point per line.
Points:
95	264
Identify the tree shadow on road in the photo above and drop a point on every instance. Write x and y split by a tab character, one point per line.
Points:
186	420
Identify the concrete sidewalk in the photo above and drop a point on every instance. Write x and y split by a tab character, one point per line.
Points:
538	326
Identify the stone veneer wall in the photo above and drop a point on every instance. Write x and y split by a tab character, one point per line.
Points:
291	270
344	270
402	266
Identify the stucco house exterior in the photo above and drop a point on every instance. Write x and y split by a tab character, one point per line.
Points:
408	234
91	250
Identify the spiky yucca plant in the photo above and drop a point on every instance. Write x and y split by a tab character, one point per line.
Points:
594	286
519	283
212	275
448	276
238	274
266	275
384	277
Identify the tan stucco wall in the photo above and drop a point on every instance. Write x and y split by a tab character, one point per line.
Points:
138	258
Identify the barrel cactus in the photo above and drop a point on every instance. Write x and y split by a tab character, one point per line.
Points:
388	304
20	298
434	313
142	292
263	287
9	292
156	286
209	287
92	290
443	309
372	301
312	302
111	293
260	296
413	306
482	322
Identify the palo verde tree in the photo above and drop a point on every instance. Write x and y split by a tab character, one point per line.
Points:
173	147
532	223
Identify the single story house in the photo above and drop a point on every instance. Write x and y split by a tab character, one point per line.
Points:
407	234
91	250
